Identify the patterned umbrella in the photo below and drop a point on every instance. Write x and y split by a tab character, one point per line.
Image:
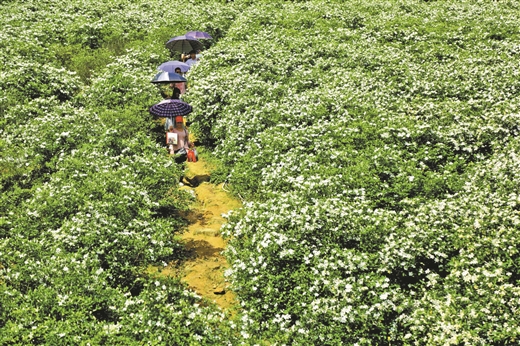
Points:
171	108
183	44
199	35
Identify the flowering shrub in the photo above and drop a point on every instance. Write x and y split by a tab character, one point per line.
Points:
89	197
373	142
376	144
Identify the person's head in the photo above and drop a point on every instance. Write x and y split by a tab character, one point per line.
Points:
170	128
193	54
179	122
178	70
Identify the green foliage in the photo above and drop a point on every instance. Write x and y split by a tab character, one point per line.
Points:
370	139
89	196
376	142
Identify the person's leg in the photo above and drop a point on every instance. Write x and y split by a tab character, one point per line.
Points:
180	159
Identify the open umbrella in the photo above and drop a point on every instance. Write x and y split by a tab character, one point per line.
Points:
183	44
171	108
199	35
165	77
170	66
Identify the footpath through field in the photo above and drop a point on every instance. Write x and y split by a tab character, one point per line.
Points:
204	268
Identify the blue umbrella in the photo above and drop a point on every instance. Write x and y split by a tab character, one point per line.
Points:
171	108
165	77
199	35
183	44
170	66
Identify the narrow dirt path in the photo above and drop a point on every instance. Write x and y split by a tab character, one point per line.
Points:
204	270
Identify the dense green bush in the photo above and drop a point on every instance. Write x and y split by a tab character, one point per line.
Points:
376	143
373	140
89	197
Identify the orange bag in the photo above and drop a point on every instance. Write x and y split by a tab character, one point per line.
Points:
191	156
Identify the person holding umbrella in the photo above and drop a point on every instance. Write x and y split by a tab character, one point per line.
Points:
174	110
178	140
180	85
166	82
174	66
169	92
183	44
193	58
182	144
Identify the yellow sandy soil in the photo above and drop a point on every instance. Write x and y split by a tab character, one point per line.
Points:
204	270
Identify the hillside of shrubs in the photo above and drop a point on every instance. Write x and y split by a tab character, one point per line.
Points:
89	197
375	144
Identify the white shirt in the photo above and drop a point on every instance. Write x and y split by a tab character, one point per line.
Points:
192	62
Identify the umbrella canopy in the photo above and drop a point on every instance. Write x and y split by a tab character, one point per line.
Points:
170	66
183	44
199	35
164	77
171	108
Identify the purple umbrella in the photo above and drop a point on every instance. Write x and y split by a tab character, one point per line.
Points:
170	66
164	77
171	108
199	35
183	44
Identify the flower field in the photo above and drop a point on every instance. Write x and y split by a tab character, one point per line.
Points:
375	144
89	196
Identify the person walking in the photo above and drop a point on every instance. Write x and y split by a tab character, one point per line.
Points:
180	85
169	92
193	58
178	140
